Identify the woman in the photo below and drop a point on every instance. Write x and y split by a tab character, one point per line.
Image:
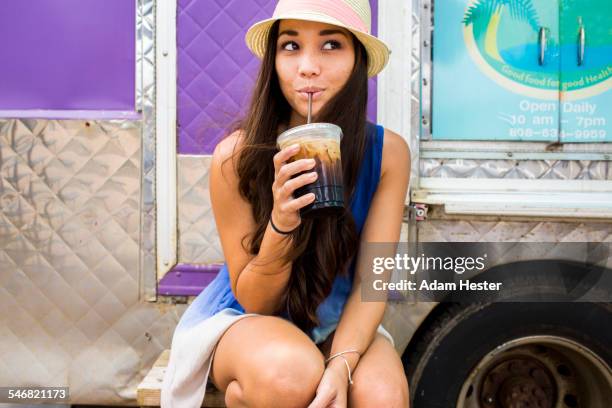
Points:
309	336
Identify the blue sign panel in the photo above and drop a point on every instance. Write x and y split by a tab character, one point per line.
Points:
531	70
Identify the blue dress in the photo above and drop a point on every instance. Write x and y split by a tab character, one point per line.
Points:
218	294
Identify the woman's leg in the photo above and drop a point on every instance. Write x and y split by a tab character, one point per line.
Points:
379	378
266	361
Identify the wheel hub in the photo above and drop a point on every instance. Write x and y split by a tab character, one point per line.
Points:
517	383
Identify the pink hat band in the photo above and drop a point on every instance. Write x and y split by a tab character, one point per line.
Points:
337	9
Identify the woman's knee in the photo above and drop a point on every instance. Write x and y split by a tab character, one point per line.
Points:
380	393
282	368
290	375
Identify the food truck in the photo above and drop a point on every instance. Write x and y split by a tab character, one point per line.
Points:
110	111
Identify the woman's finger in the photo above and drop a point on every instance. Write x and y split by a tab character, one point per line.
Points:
284	155
289	169
302	201
293	184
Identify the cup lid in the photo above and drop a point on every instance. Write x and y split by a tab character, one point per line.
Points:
313	129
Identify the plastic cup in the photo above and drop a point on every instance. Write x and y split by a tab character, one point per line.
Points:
321	142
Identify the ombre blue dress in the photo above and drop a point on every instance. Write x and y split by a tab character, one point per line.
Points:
214	310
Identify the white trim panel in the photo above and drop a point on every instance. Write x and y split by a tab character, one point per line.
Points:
548	198
165	129
393	86
394	82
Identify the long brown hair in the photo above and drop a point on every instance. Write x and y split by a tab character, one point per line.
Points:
322	248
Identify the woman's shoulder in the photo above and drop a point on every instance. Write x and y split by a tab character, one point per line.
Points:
228	146
395	152
224	160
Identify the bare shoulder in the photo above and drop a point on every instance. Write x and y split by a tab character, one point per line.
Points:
225	153
229	145
396	154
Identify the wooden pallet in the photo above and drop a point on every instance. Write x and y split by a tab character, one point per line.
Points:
149	390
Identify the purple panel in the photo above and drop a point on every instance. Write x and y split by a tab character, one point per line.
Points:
67	55
216	71
187	280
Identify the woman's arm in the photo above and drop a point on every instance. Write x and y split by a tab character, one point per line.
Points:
360	319
257	281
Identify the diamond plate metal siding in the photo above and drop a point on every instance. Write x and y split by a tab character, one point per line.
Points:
77	249
415	89
517	169
69	260
198	239
216	70
470	230
145	98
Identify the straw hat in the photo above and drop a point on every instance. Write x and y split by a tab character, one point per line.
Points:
354	15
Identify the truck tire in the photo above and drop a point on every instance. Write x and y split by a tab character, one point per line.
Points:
510	354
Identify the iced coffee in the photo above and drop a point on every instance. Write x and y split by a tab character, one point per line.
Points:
321	142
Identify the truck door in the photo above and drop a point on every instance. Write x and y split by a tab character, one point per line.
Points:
522	71
586	70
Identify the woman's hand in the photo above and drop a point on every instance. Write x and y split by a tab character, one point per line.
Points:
332	391
285	212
